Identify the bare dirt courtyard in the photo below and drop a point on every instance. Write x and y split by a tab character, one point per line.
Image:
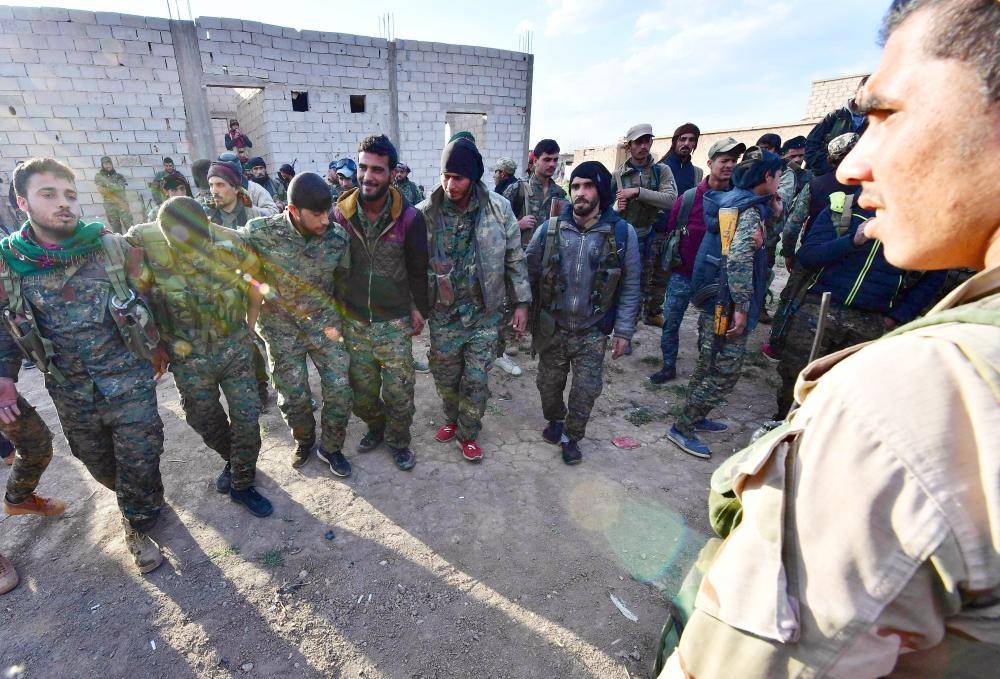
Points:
502	569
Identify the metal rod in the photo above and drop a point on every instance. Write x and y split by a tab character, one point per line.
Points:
824	308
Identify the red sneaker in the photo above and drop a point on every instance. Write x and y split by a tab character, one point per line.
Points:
471	450
446	433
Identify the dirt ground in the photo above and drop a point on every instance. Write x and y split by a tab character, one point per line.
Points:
502	569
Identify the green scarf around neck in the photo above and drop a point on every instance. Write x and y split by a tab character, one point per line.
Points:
25	256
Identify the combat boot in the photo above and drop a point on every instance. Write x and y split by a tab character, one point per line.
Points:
143	548
225	480
655	320
302	453
571	452
371	440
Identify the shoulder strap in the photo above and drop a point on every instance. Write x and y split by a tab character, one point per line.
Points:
12	288
687	202
114	265
551	242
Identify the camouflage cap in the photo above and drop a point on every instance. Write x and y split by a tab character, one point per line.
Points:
726	145
840	146
506	165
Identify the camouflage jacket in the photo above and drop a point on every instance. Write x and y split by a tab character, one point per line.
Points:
499	257
199	299
411	192
112	187
70	305
657	192
530	198
299	272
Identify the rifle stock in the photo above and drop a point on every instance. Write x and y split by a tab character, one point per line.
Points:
728	218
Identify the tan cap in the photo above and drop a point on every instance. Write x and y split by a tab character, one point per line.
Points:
506	165
640	130
725	145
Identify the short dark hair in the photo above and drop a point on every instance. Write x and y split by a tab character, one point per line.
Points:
380	145
168	160
199	172
546	146
309	191
967	30
33	166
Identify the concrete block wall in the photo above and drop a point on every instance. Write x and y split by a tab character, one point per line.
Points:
435	79
81	85
830	94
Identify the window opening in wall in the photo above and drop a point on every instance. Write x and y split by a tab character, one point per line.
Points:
357	103
300	101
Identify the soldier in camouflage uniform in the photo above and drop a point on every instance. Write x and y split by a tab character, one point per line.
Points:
645	190
384	293
477	257
31	441
720	359
194	276
111	185
531	199
409	190
586	278
300	250
104	393
156	186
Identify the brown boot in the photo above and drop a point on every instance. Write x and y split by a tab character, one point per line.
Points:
8	575
33	504
143	548
655	320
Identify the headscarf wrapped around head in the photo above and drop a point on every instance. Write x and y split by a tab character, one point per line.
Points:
597	173
686	128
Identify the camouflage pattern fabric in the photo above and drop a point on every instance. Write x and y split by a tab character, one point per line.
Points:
236	437
287	357
411	192
382	376
119	217
639	214
795	217
710	384
584	354
119	439
112	190
33	444
845	327
653	281
531	198
460	360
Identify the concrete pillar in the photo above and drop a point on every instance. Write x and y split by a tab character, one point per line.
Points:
394	99
187	52
527	113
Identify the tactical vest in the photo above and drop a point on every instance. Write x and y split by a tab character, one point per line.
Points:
642	215
200	299
130	314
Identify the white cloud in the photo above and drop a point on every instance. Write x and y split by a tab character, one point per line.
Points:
573	17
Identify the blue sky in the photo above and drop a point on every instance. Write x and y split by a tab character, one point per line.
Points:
603	65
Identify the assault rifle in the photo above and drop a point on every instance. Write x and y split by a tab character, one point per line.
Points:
723	300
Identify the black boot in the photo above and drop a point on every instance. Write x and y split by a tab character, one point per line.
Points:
571	452
302	453
225	480
553	432
256	504
404	458
663	375
371	440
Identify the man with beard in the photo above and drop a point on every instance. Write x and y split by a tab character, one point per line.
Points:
645	189
259	197
156	186
66	281
231	206
300	251
474	242
504	174
111	185
795	176
281	181
384	294
582	298
678	158
235	139
259	176
894	445
532	199
409	190
688	216
205	310
331	178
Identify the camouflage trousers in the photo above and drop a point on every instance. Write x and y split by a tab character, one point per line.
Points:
119	441
236	437
506	335
654	279
119	217
382	376
711	382
460	360
583	353
32	442
845	327
287	353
